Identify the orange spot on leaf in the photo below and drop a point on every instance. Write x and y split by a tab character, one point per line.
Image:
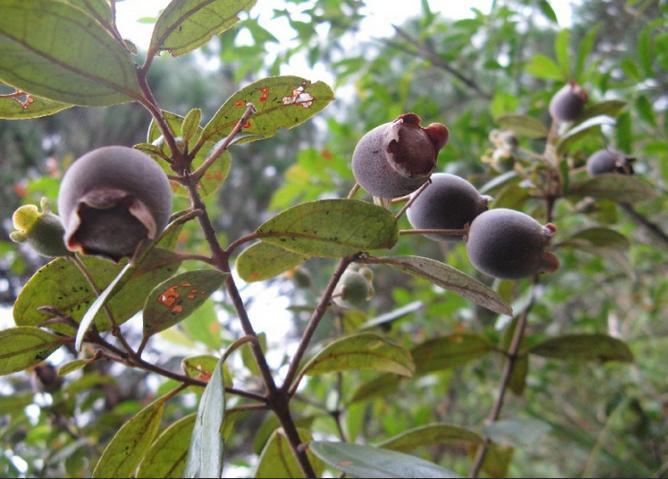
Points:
326	154
264	94
239	104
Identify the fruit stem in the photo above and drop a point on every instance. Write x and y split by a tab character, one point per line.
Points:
414	196
353	191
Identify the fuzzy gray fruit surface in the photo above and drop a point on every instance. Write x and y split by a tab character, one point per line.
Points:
449	202
509	244
609	161
111	199
568	103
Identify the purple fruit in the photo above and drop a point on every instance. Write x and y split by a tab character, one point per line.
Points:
509	244
609	161
111	199
395	159
568	103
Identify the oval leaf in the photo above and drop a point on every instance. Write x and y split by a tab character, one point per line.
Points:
18	105
331	228
365	461
616	187
449	278
610	108
187	24
128	446
264	261
167	455
281	102
429	435
598	237
398	313
517	432
379	387
25	346
176	298
278	460
361	351
54	50
202	368
542	66
523	125
205	454
448	352
71	366
585	347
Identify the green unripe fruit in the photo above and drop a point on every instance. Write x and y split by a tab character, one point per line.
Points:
42	230
395	159
509	244
111	199
568	103
449	202
354	288
609	161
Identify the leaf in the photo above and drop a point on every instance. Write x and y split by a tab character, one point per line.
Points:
570	139
53	50
331	228
25	346
190	128
379	387
583	50
645	110
188	24
205	455
523	125
449	278
447	352
128	446
561	51
542	66
624	132
281	102
610	108
613	186
645	51
518	378
167	455
278	460
398	313
365	461
516	432
176	298
584	347
18	105
547	10
99	303
497	460
361	351
61	285
263	261
429	435
598	237
71	366
271	423
98	9
203	366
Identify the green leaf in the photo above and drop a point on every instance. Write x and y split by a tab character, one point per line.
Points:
430	435
99	302
71	366
365	461
277	459
203	366
584	49
518	377
561	51
331	228
51	49
645	51
523	125
379	387
449	278
613	186
128	446
503	103
263	261
584	347
393	315
361	351
98	9
214	177
190	128
542	66
517	432
645	110
547	10
598	237
18	105
610	108
572	137
497	460
448	352
205	455
281	102
167	455
624	132
176	298
61	285
25	346
188	24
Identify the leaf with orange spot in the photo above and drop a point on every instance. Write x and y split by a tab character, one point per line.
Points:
176	298
202	368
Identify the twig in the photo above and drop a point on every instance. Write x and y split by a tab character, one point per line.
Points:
411	199
353	191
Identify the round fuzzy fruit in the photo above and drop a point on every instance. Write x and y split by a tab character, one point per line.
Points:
568	103
449	202
609	161
111	199
355	288
509	244
395	159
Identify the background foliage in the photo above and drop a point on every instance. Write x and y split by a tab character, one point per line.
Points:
567	417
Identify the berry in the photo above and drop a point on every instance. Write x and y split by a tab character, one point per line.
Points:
568	103
355	288
42	230
111	199
609	161
449	202
395	159
509	244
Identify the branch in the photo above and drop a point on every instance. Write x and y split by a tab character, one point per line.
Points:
640	219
